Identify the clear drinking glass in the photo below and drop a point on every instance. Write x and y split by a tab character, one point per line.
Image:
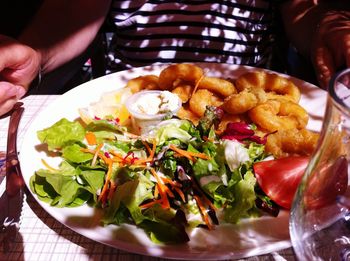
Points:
320	215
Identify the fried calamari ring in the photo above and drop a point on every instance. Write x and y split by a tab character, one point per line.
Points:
284	143
201	99
278	87
177	74
183	91
240	103
274	115
146	82
185	113
219	86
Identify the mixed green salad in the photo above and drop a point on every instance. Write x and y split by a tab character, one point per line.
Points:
177	177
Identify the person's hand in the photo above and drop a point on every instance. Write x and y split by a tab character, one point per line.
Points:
331	45
19	65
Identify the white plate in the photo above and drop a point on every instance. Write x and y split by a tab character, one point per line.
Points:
249	238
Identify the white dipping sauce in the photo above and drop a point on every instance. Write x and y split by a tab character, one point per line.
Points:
153	103
148	108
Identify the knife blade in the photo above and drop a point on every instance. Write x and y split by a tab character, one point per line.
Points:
12	199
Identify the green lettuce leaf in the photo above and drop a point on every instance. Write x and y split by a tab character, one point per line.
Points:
244	195
64	187
130	194
74	154
164	232
172	131
61	133
104	125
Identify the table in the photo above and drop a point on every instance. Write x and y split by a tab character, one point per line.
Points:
41	237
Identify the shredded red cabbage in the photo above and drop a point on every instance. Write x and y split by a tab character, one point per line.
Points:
241	131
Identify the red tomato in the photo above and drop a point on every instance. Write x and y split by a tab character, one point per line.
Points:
279	178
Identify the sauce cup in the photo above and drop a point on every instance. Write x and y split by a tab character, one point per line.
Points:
148	108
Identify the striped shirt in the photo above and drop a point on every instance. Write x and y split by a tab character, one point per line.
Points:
156	31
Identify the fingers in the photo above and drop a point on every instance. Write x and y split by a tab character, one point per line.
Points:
324	65
19	63
9	95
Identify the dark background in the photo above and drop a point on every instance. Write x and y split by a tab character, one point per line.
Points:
16	14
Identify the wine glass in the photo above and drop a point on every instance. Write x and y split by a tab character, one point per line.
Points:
320	214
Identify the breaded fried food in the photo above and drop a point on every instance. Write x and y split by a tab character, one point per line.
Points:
145	82
219	86
183	91
274	115
240	103
201	99
178	74
276	86
290	142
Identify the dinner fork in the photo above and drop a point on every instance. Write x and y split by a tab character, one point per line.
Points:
12	199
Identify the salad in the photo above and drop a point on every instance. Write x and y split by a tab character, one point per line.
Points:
176	177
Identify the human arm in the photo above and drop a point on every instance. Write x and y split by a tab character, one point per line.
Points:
320	31
60	31
18	67
63	29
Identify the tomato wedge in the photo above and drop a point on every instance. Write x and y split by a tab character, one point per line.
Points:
279	178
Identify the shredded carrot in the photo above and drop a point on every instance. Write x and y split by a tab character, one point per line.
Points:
150	204
209	203
156	192
162	190
197	84
176	186
90	138
126	160
108	186
168	192
116	154
181	194
204	213
199	155
147	146
178	155
163	196
171	182
141	161
153	152
97	153
181	152
130	158
112	189
189	154
48	166
117	157
107	182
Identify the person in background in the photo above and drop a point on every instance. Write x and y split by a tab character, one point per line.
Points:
234	32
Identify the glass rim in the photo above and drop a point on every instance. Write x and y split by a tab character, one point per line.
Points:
332	92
